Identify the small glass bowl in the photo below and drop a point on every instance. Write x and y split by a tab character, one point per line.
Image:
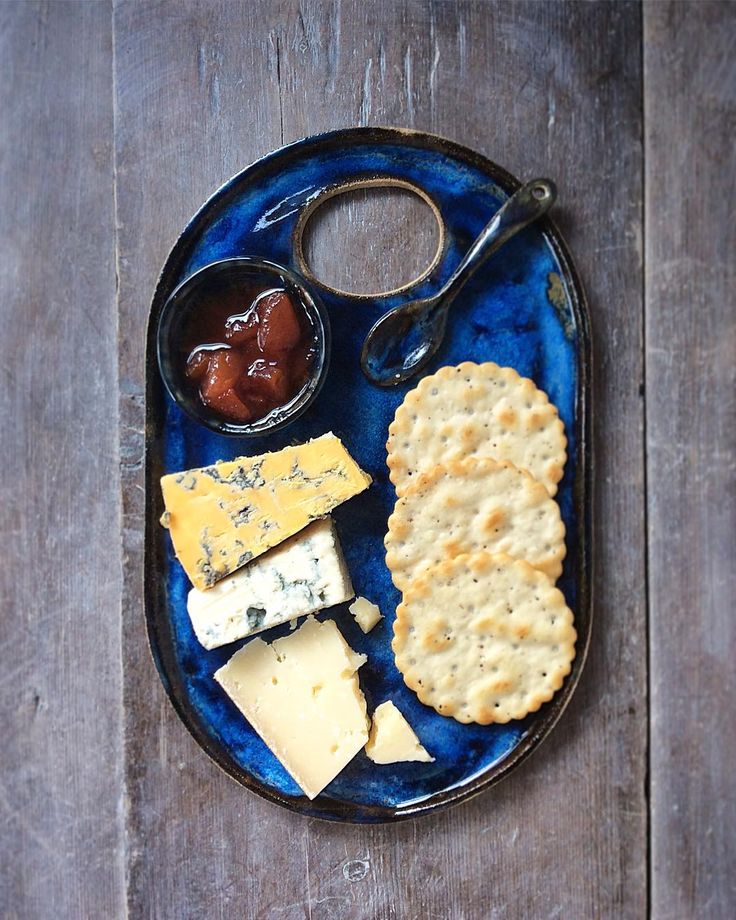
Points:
188	296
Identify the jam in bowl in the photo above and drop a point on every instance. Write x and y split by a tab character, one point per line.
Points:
243	346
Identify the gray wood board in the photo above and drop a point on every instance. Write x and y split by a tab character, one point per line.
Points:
61	822
201	90
690	159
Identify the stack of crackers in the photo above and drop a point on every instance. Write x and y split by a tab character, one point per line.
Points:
476	543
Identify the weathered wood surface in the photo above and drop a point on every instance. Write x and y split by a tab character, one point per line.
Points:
203	90
107	807
61	766
691	453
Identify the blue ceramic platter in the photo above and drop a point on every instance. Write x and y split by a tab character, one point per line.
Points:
524	309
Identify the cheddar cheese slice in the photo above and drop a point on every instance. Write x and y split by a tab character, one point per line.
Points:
222	516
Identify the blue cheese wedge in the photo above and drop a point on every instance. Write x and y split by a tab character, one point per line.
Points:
392	739
301	694
304	574
221	517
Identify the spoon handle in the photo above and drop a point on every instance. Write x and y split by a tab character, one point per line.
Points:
527	204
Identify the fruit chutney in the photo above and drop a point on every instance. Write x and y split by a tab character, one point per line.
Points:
249	350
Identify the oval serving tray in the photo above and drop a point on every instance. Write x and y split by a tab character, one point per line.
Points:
525	309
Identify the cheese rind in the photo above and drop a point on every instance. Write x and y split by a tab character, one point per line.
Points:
222	516
301	694
304	574
392	739
366	614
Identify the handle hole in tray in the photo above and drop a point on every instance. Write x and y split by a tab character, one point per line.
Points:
370	238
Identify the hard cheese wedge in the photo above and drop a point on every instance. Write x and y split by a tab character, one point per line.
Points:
392	738
222	516
304	574
301	694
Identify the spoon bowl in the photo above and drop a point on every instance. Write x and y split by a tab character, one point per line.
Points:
402	341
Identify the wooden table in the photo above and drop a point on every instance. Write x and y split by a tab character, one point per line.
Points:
115	124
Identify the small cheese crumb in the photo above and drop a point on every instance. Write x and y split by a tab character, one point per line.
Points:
392	739
366	614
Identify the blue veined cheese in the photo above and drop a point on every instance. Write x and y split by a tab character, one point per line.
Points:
302	695
304	574
220	517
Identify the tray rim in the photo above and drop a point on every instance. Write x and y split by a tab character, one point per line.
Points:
326	808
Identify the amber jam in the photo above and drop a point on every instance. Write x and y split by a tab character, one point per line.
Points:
248	350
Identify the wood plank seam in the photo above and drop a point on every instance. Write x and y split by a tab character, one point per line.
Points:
642	393
124	798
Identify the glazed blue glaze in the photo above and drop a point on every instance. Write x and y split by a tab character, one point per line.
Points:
509	314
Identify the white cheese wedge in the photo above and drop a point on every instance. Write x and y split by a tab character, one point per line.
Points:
392	739
301	694
304	574
366	614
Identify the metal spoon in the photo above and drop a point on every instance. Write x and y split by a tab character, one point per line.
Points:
402	341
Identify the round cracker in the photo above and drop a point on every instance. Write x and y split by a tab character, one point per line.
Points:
469	505
484	638
476	410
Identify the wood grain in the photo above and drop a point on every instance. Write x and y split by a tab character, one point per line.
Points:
196	97
691	453
61	844
384	235
200	92
107	807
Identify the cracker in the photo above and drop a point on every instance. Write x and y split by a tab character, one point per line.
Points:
471	505
484	638
476	410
